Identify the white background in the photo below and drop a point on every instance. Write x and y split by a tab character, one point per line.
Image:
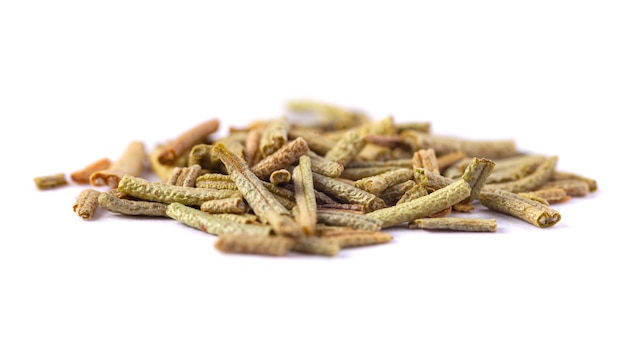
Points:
80	79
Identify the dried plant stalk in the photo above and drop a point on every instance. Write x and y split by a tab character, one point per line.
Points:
476	175
131	207
455	224
174	175
356	238
347	193
161	171
248	244
324	166
424	206
350	219
394	193
131	162
274	135
374	152
379	183
415	192
510	203
252	151
446	160
355	208
245	218
426	159
159	192
213	224
281	158
234	205
306	204
86	203
317	245
184	142
81	176
430	180
398	163
50	181
280	177
357	173
200	154
547	196
346	148
187	176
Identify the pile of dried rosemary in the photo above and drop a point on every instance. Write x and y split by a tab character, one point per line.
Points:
277	186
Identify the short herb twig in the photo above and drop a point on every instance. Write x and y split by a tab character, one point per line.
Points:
50	181
250	244
350	219
159	192
510	203
281	158
215	225
81	176
131	162
306	204
347	193
185	141
424	206
87	203
455	224
131	207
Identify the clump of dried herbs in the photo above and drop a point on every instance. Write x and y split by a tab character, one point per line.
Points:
280	186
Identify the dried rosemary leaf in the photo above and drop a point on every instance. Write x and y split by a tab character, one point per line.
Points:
379	183
50	181
346	148
455	224
510	203
262	201
306	205
131	163
250	244
86	203
131	207
274	135
347	193
185	141
424	206
209	223
350	219
159	192
281	158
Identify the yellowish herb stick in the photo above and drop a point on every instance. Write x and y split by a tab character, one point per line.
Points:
209	223
424	206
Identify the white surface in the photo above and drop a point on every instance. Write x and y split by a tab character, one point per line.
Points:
79	80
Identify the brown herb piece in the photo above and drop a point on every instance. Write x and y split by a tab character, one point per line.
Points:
82	176
131	162
86	203
184	142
